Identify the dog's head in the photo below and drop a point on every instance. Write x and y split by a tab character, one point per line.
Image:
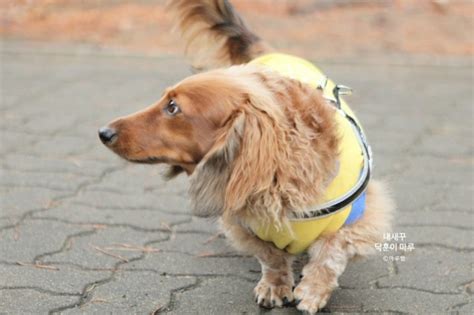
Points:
240	135
180	128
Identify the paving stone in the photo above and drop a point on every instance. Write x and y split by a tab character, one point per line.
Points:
412	128
387	167
362	273
105	248
146	219
441	236
186	264
50	123
30	301
146	179
18	201
460	197
464	308
413	196
64	280
198	244
430	145
166	203
391	143
442	271
38	164
4	222
235	296
201	225
9	140
392	300
133	293
33	238
461	220
62	146
63	182
453	170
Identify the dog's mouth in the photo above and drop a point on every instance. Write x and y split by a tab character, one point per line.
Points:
149	160
176	167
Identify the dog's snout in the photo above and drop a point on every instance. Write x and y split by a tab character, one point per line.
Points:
107	135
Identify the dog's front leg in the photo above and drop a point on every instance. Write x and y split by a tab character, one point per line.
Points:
276	285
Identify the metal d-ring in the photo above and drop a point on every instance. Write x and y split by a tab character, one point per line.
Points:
341	90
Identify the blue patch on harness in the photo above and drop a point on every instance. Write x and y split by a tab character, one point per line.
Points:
358	207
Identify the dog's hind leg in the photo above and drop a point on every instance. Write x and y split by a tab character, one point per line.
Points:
276	285
330	254
328	259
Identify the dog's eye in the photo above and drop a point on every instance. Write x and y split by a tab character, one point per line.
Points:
172	108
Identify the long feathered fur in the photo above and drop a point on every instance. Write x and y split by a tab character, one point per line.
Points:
215	35
274	155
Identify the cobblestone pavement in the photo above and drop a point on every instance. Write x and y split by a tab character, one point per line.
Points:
84	232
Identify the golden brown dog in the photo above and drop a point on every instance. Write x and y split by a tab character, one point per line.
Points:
257	146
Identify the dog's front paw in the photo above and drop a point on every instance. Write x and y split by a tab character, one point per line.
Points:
269	294
311	296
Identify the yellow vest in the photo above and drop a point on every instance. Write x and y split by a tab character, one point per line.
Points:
351	162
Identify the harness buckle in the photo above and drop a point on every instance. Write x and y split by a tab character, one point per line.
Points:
341	90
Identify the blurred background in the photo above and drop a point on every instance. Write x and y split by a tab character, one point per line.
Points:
311	28
82	231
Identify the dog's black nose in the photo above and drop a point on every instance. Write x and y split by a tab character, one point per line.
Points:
107	135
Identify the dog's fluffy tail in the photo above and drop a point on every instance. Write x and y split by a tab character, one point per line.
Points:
215	34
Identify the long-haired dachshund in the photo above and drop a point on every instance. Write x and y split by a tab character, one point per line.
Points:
271	149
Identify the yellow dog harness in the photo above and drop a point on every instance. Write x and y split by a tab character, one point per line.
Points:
344	199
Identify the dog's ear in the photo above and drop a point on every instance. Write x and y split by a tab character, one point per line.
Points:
253	179
269	158
210	178
241	168
285	155
240	165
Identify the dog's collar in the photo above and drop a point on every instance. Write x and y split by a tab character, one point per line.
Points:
333	206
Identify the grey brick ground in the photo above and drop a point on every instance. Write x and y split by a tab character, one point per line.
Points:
83	232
